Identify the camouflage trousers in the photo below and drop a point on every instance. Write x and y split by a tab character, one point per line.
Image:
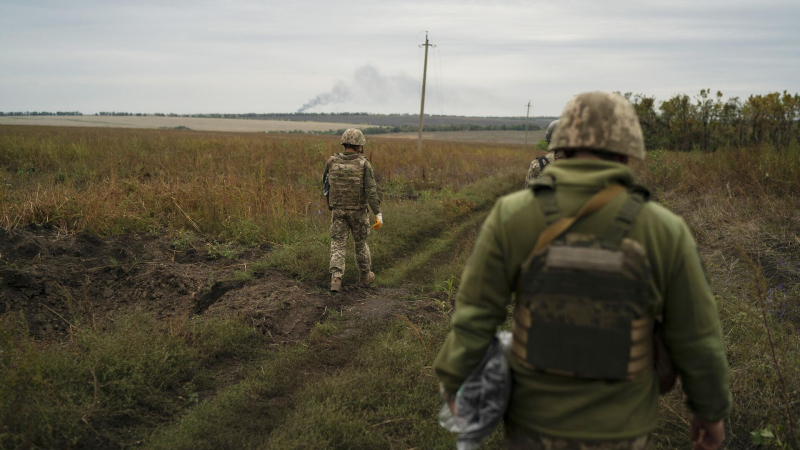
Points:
344	222
519	440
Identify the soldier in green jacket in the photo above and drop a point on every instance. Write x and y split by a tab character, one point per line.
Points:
588	293
349	186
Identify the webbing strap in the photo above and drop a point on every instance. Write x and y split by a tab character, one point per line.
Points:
555	229
623	221
543	161
547	201
545	193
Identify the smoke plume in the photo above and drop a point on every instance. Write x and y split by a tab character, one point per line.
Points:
367	87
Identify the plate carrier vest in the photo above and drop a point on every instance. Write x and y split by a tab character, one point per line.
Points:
346	176
583	301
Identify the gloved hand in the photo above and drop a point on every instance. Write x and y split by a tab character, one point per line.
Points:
378	222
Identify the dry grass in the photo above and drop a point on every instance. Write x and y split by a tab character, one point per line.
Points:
247	187
744	210
500	137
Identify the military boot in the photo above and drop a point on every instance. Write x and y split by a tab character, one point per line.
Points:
368	278
336	284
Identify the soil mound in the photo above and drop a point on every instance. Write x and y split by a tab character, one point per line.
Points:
56	279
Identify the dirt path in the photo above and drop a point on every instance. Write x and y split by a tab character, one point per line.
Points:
310	338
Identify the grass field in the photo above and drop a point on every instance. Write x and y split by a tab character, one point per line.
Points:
235	125
500	137
287	124
167	288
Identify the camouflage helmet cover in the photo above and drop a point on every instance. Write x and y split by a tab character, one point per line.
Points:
548	135
353	136
600	121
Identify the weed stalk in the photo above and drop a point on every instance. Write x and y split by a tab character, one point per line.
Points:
760	297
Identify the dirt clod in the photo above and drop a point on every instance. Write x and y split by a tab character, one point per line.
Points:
56	279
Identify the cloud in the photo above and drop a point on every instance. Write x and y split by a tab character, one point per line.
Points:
245	55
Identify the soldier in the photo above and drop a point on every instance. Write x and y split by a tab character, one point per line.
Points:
538	164
594	267
348	187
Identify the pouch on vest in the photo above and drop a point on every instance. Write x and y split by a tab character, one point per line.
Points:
583	301
346	177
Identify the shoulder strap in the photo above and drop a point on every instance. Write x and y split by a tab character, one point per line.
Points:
555	229
619	227
543	161
543	189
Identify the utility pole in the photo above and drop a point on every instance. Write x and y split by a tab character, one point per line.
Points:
422	105
526	124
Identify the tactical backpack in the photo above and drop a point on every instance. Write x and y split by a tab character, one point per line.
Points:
583	301
346	177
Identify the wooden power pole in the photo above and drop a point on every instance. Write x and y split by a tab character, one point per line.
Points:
526	124
422	104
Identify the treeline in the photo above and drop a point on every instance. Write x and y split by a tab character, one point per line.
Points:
41	113
707	122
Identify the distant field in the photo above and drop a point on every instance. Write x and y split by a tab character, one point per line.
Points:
266	125
498	136
392	120
172	122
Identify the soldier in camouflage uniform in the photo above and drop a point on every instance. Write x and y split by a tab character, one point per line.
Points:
538	164
599	272
349	186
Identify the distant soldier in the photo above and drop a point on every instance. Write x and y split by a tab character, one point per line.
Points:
538	164
348	187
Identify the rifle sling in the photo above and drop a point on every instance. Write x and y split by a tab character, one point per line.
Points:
599	200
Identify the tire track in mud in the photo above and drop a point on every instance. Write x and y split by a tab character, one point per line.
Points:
297	315
357	314
438	256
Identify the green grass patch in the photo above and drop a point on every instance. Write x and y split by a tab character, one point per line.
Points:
244	414
108	386
383	396
431	223
437	265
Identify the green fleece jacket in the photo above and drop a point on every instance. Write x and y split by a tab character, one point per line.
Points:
562	406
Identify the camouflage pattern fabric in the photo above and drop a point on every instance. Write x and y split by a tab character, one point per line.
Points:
516	440
600	121
346	178
535	170
353	136
343	223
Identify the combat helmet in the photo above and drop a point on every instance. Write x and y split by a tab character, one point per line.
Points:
548	135
600	121
353	136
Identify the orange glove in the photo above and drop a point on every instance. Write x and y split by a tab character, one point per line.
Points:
378	222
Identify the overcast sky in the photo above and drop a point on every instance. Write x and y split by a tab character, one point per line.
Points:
280	56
